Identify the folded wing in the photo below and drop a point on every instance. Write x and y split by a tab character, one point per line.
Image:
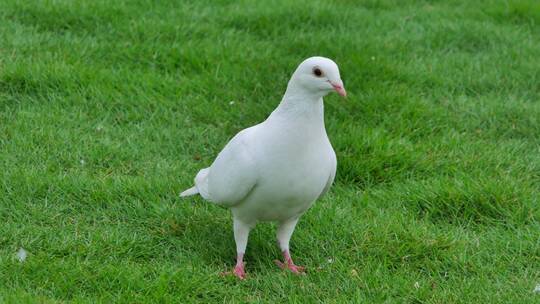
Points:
232	176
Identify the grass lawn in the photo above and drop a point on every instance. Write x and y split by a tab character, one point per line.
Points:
109	108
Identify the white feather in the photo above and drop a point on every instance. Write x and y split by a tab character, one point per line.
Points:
21	255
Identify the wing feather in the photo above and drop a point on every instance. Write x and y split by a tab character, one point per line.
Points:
232	175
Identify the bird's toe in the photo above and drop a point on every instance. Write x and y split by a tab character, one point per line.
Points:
239	272
293	268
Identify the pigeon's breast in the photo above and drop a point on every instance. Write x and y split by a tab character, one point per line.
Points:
293	179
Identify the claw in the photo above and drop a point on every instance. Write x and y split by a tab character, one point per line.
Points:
290	266
238	270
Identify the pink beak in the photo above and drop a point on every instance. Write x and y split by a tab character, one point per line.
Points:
340	89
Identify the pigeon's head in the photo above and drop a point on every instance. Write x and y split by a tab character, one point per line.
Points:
318	75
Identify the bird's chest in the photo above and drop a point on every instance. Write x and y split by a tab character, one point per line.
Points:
301	177
291	184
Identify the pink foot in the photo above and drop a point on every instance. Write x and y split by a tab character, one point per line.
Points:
238	270
289	264
293	268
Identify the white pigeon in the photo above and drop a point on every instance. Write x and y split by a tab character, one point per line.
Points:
275	170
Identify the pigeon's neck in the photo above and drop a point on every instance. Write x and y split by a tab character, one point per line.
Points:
299	105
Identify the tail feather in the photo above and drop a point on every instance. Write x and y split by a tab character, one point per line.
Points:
201	185
201	182
189	192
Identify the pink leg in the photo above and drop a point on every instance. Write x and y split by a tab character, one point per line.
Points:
289	264
239	268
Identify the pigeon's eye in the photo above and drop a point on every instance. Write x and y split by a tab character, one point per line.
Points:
317	72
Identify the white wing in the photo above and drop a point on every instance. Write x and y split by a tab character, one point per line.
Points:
331	177
233	174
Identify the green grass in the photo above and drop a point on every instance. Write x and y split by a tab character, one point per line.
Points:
109	108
